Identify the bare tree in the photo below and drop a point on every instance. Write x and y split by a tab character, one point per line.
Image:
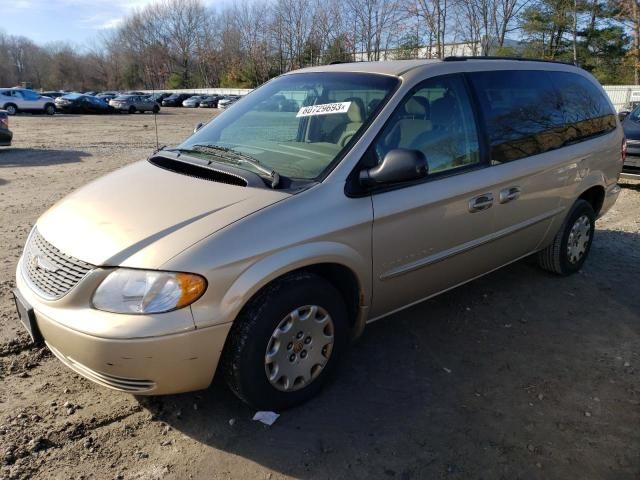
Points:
434	14
374	21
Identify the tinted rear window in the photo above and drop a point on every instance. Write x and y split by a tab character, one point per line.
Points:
587	112
531	112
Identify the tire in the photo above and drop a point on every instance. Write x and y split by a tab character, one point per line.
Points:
132	109
11	109
50	109
576	232
156	109
244	359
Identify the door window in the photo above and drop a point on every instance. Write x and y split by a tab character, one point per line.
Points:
522	112
438	120
30	95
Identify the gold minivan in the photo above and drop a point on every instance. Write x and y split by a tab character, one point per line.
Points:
327	198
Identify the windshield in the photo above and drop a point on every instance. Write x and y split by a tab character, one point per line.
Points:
635	114
298	125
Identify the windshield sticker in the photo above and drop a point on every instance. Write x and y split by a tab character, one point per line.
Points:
324	109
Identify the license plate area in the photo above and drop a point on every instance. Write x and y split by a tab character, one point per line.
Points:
27	317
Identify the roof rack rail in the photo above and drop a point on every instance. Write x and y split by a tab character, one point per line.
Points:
463	58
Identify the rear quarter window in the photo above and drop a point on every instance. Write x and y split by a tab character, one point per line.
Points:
586	110
526	113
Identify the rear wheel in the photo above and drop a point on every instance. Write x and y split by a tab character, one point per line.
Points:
11	109
132	109
283	346
572	243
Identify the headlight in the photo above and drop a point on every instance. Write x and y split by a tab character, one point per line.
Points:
147	291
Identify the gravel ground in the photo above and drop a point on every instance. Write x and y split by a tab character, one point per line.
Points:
517	375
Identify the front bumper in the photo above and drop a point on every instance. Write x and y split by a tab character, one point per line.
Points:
149	365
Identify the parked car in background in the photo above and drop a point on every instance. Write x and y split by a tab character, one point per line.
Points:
631	126
210	102
5	134
134	103
192	102
279	103
15	100
106	96
175	99
227	101
133	92
80	103
53	94
158	97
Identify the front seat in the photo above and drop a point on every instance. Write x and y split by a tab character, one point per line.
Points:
343	132
413	122
441	143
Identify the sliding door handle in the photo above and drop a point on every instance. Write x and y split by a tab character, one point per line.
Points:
480	203
509	194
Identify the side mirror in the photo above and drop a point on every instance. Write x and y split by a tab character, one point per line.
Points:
622	115
398	165
198	127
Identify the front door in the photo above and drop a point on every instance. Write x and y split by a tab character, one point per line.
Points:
434	234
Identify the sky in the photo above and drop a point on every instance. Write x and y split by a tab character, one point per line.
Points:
79	22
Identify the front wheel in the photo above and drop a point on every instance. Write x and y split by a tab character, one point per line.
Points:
11	109
50	109
286	342
132	109
572	243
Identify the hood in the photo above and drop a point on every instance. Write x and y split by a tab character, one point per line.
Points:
141	216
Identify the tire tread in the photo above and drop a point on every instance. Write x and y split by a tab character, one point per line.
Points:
551	257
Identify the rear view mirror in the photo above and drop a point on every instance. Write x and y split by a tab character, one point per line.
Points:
398	165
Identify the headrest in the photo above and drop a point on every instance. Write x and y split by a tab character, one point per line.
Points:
415	107
356	110
443	111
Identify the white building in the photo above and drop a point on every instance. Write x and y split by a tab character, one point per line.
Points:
454	49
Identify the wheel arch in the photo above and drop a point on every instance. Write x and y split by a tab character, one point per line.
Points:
595	196
337	263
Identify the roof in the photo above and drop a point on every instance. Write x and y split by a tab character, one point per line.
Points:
387	67
400	67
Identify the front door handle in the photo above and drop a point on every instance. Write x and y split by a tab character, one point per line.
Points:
481	202
509	194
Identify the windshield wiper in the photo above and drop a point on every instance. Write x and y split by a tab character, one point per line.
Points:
226	154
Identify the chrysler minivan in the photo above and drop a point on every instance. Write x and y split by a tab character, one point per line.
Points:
265	241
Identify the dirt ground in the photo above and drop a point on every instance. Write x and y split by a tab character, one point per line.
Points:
518	375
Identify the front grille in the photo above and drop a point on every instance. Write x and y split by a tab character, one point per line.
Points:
50	272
